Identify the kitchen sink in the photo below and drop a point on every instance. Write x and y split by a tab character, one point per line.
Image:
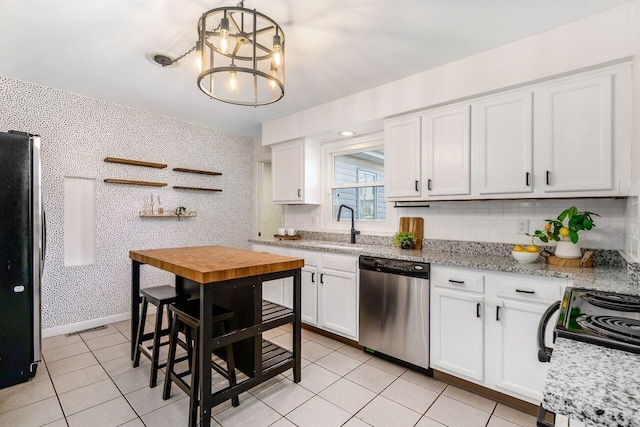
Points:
331	245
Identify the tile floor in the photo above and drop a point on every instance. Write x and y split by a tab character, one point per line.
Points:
88	380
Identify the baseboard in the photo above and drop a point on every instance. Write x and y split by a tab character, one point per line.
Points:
88	324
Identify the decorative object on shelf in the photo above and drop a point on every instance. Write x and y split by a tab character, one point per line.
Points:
404	239
286	236
414	225
566	235
242	50
178	187
135	162
160	208
152	212
197	171
130	182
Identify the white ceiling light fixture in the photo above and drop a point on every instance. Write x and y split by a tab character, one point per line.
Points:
240	56
346	133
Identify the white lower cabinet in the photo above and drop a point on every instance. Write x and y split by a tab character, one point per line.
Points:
329	289
488	334
457	333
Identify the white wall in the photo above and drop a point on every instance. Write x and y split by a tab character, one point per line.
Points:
588	42
77	134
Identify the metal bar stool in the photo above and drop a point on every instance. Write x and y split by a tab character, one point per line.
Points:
160	296
186	318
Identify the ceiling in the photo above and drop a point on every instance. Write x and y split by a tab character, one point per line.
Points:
334	47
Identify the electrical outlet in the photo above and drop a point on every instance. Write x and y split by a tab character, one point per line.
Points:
523	226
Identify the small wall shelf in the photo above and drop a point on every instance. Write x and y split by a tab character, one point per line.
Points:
129	182
167	215
178	187
135	162
197	171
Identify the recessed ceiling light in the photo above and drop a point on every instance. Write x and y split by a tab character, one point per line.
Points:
347	133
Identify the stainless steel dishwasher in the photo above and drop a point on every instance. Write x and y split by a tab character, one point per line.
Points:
394	309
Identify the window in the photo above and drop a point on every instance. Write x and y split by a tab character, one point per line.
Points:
358	182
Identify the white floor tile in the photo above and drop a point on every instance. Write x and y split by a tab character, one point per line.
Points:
80	378
515	416
147	399
109	414
428	422
469	398
251	412
318	412
59	341
284	396
113	352
316	378
33	415
328	342
499	422
88	396
355	353
411	395
372	378
106	341
24	394
313	351
453	413
339	363
382	412
58	353
348	395
70	364
387	366
424	381
175	414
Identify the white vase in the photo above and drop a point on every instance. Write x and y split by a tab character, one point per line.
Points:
568	250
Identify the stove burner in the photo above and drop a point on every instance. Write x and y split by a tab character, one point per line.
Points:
617	302
619	328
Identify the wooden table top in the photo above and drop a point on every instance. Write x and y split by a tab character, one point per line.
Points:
206	264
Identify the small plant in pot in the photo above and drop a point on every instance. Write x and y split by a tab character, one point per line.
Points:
566	235
405	239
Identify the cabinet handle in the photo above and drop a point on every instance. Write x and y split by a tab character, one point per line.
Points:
459	282
498	313
417	189
429	184
548	178
313	277
478	309
527	179
520	291
299	191
322	278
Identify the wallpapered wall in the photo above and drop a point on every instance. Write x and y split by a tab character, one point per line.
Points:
77	134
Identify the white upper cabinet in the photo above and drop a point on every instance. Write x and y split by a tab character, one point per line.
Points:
296	172
446	143
402	166
577	135
503	131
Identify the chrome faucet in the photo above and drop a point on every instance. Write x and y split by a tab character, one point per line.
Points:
353	225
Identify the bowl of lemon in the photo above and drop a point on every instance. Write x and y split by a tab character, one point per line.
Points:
525	254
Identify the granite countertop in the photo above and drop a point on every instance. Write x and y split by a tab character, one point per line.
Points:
606	278
594	384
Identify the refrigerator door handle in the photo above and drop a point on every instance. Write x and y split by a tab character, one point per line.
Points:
544	353
38	244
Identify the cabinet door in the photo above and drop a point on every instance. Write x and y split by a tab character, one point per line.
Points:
310	295
446	142
503	129
338	302
576	129
402	161
515	350
272	291
287	169
457	333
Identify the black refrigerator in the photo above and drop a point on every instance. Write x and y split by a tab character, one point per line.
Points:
22	248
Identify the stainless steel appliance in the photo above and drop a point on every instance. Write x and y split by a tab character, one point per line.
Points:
22	248
596	317
394	309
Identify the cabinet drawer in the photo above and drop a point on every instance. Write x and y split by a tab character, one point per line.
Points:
529	289
310	258
339	262
453	278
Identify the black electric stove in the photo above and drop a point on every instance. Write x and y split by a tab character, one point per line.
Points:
602	318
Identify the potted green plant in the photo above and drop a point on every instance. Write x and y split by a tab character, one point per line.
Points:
566	235
405	239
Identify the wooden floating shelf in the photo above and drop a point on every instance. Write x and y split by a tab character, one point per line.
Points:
135	162
168	215
177	187
129	182
197	171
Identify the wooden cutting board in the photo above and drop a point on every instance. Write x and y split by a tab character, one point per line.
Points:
414	225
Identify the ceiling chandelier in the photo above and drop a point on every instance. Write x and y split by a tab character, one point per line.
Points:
239	56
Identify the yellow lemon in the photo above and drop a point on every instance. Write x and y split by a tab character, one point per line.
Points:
564	231
547	227
532	248
518	248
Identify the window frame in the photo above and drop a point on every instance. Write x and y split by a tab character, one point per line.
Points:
344	147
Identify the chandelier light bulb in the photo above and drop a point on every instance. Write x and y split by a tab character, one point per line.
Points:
274	74
233	80
224	35
277	50
199	57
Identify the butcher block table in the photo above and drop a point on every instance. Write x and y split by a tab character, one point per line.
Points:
230	278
